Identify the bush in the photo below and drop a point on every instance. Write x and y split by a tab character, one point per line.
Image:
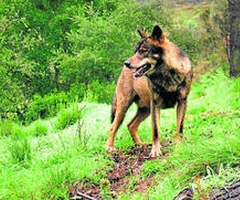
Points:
47	106
39	128
67	117
20	147
12	99
191	42
7	127
98	92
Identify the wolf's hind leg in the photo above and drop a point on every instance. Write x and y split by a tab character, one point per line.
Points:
181	111
120	111
141	115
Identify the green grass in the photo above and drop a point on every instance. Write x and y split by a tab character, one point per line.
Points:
67	117
41	160
45	164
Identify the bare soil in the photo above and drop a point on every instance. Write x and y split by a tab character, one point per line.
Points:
127	165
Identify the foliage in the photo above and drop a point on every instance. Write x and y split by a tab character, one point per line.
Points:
67	117
79	47
49	47
47	106
98	92
11	97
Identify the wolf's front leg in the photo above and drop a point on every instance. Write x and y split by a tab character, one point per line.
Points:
156	147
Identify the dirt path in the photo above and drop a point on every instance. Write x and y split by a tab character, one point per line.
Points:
127	165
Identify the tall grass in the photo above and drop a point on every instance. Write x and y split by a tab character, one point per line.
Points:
67	117
48	158
20	148
39	128
47	164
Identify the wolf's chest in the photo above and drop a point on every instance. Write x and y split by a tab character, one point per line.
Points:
167	83
167	79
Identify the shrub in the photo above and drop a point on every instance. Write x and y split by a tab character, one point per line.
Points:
47	106
99	92
39	128
67	116
6	127
20	147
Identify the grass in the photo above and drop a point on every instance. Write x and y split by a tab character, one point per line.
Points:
48	160
67	117
41	160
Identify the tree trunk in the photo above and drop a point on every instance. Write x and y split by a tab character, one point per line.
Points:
231	192
228	192
234	19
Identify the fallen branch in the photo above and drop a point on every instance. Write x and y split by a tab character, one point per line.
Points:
228	192
231	192
186	194
81	195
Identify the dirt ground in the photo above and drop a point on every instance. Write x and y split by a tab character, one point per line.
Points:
127	164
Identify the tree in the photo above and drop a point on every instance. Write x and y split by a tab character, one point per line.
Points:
234	19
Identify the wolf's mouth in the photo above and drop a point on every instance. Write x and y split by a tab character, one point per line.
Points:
140	71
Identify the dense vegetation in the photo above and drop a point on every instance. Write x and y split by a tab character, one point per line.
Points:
57	52
59	63
53	52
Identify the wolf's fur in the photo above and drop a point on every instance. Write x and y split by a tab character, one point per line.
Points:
158	75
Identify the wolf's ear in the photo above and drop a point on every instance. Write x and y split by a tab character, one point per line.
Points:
157	34
142	34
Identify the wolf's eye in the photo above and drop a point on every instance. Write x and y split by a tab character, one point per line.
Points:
156	50
142	51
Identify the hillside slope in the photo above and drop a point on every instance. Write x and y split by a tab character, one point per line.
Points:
46	165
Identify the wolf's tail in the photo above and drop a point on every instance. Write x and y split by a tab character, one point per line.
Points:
114	107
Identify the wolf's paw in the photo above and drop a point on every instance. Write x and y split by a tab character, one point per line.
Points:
111	149
177	139
142	143
156	151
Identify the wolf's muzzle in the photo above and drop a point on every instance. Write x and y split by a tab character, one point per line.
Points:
127	63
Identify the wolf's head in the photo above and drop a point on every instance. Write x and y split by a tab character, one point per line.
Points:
148	53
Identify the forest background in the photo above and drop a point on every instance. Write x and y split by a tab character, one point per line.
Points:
57	52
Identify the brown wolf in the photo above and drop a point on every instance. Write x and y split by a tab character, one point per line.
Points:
158	75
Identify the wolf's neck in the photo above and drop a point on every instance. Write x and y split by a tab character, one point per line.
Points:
165	80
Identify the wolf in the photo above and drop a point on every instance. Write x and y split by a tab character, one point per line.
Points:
157	76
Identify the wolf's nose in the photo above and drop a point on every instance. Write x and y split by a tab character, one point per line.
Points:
127	64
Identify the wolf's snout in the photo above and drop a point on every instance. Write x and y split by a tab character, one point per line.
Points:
127	64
